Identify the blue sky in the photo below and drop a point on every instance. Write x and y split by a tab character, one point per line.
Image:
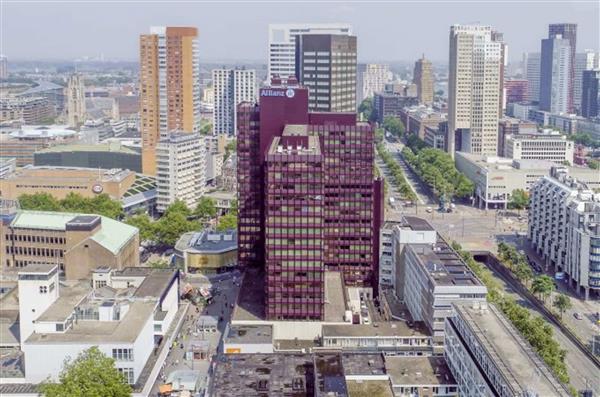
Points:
387	30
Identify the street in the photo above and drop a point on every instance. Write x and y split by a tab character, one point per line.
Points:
227	285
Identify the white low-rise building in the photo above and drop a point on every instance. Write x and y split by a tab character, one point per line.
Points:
125	313
434	277
564	228
495	178
546	145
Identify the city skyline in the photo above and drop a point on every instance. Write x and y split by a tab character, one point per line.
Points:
110	31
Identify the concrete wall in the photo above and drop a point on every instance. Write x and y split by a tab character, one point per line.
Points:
247	348
170	304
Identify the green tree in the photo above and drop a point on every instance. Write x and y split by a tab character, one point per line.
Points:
234	207
159	264
585	139
393	125
228	221
91	374
593	164
144	224
366	109
206	208
172	225
519	199
543	286
100	204
206	128
562	303
178	207
524	272
39	202
230	148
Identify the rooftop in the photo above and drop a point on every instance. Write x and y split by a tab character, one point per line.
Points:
71	173
514	357
263	374
363	364
250	305
418	371
444	266
100	332
287	145
155	283
112	234
335	302
249	334
329	375
51	131
101	147
369	388
208	242
63	307
417	224
379	329
495	163
44	268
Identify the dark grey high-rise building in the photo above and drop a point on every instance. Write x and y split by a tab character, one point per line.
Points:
590	89
326	64
555	72
567	31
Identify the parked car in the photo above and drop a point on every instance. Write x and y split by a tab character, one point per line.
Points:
578	316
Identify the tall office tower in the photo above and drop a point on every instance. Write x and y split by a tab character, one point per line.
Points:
169	87
583	61
499	37
180	169
309	207
567	31
423	78
374	78
230	88
473	90
554	75
282	44
532	74
3	67
75	100
326	65
590	101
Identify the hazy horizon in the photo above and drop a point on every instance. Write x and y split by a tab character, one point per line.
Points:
238	30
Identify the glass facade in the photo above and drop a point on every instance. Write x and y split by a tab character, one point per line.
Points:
308	202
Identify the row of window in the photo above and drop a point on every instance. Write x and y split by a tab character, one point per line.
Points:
35	239
35	251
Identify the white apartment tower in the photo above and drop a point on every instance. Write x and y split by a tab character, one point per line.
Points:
564	228
181	169
374	78
75	101
230	88
474	90
282	44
